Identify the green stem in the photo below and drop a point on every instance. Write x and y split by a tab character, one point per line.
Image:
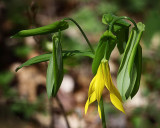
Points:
102	113
89	44
122	17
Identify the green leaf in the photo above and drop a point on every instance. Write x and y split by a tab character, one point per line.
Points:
106	43
77	53
126	74
46	57
55	65
133	77
52	71
50	77
122	38
59	61
34	60
51	28
138	63
108	18
123	78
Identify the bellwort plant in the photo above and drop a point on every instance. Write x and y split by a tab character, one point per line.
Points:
120	34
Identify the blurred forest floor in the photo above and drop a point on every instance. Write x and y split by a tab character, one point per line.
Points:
23	99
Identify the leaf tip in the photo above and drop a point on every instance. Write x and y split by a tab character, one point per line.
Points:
17	69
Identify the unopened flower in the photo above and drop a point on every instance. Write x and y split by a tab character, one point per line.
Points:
102	79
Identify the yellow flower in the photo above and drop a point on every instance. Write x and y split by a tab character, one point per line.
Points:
102	79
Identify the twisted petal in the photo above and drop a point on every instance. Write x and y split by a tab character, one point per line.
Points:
99	111
91	87
114	90
90	100
106	74
99	83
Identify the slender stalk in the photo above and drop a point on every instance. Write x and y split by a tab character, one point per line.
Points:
52	113
89	44
102	113
63	111
123	17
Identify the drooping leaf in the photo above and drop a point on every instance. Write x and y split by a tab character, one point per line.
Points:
133	77
123	78
50	77
106	42
122	38
138	63
55	65
59	61
51	28
126	71
34	60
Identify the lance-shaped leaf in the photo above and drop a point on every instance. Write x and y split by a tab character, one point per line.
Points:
46	57
133	77
138	64
52	70
59	60
34	60
55	68
106	43
77	53
50	77
51	28
126	72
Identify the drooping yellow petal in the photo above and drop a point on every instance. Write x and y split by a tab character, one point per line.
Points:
86	106
106	73
91	87
99	83
90	100
101	79
114	93
116	102
99	111
108	79
114	90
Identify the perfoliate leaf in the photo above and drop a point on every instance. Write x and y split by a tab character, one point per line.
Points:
126	74
120	29
34	60
51	28
106	43
123	78
108	18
